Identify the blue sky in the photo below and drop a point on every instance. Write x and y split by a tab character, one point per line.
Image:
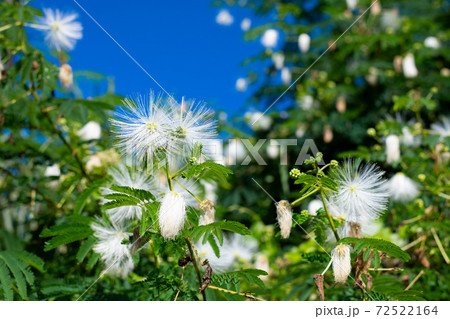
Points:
178	42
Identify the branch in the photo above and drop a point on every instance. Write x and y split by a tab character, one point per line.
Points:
194	262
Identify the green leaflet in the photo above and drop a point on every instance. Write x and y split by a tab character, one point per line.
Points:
379	244
213	170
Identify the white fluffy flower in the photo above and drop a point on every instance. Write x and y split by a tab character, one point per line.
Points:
286	76
409	66
194	124
241	248
143	127
246	23
278	60
123	176
392	149
361	194
270	38
432	42
443	127
258	120
172	215
224	18
241	85
66	76
284	217
341	263
90	131
314	206
116	256
402	188
52	171
304	40
218	265
390	19
408	139
61	30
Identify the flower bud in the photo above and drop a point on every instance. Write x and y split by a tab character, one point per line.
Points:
341	104
295	173
392	149
172	215
304	40
66	76
284	217
341	263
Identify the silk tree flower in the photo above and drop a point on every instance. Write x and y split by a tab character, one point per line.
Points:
314	206
124	176
224	18
52	171
172	215
241	85
390	19
304	41
392	149
262	263
402	188
284	217
62	31
66	76
241	248
207	212
258	120
341	263
90	131
270	38
143	126
408	139
306	102
432	42
246	24
195	124
278	60
442	128
409	66
115	255
220	264
361	194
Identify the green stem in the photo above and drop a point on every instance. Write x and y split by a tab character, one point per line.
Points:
180	170
295	202
329	216
194	262
169	178
187	190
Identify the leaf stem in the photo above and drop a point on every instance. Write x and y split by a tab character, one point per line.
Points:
295	202
180	170
330	219
328	266
187	190
194	262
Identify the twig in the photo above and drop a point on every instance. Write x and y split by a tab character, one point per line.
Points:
412	244
386	269
194	262
181	283
414	280
441	248
244	294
